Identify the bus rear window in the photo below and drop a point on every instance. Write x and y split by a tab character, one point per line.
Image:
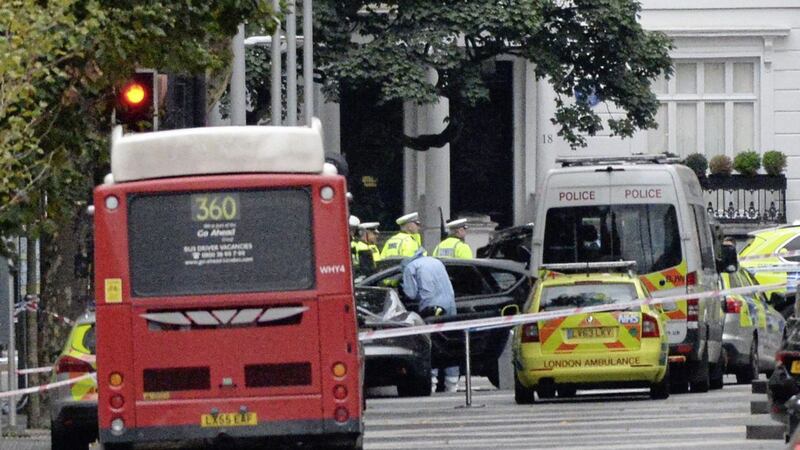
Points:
647	234
220	242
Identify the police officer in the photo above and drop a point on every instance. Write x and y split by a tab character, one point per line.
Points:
406	242
354	223
425	279
454	246
368	239
365	252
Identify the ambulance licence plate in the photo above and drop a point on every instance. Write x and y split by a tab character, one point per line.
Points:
591	332
228	420
795	368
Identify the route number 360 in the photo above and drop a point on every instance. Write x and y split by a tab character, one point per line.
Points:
210	207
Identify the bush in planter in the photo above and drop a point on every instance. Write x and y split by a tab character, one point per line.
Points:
720	165
698	163
747	163
774	162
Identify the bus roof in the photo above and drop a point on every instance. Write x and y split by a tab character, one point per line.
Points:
216	150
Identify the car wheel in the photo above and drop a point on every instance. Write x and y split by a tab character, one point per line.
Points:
749	372
546	392
415	386
522	395
700	371
718	371
660	390
63	439
566	391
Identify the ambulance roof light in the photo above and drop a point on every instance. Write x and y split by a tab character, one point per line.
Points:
592	267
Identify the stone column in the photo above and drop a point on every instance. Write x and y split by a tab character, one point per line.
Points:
437	170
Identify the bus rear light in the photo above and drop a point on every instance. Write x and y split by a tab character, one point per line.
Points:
649	326
326	193
341	414
530	332
70	364
732	305
116	401
339	370
339	392
692	310
115	379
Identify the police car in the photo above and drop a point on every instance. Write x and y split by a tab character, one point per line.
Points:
762	257
73	408
624	348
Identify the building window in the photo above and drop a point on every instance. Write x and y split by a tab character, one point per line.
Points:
707	107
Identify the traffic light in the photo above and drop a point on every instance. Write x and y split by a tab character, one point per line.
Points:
135	102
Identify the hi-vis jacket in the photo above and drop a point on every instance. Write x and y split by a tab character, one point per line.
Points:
401	244
357	247
453	247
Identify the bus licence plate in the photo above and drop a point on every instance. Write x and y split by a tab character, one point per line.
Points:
591	332
795	367
229	420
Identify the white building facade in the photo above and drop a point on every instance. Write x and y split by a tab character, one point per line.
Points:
736	87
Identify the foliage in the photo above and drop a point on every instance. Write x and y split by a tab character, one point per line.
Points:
418	51
747	163
774	162
720	165
698	163
60	61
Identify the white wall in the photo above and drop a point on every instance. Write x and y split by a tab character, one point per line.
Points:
767	31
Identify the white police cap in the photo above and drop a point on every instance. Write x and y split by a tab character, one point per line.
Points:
369	225
413	217
458	223
354	221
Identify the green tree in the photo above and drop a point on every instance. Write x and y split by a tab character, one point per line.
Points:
60	61
588	46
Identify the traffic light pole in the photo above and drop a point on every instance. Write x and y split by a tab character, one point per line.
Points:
308	62
275	87
238	88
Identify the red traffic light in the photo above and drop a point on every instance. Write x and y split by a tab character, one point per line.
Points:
135	108
134	93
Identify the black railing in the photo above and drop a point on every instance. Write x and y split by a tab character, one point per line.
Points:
740	199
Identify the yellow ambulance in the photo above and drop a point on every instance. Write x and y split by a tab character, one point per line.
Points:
615	349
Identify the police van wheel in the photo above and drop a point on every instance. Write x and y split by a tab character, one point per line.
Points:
700	374
718	372
522	394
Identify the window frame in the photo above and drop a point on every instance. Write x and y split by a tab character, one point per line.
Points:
700	99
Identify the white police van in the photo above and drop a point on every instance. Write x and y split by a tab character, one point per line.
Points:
641	208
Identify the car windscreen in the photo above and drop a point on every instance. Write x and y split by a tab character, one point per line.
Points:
220	242
582	295
645	233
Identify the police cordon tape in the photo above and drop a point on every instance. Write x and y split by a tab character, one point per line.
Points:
521	319
771	255
46	387
34	370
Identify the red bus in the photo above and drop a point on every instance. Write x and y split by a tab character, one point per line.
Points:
224	290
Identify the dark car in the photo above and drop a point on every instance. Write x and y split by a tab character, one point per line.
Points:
405	361
483	288
512	243
784	383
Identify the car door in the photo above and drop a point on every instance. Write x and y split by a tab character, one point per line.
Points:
774	321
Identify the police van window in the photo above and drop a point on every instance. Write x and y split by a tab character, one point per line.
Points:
218	242
704	237
580	295
645	233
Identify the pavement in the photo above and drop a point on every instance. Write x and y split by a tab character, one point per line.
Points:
620	419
